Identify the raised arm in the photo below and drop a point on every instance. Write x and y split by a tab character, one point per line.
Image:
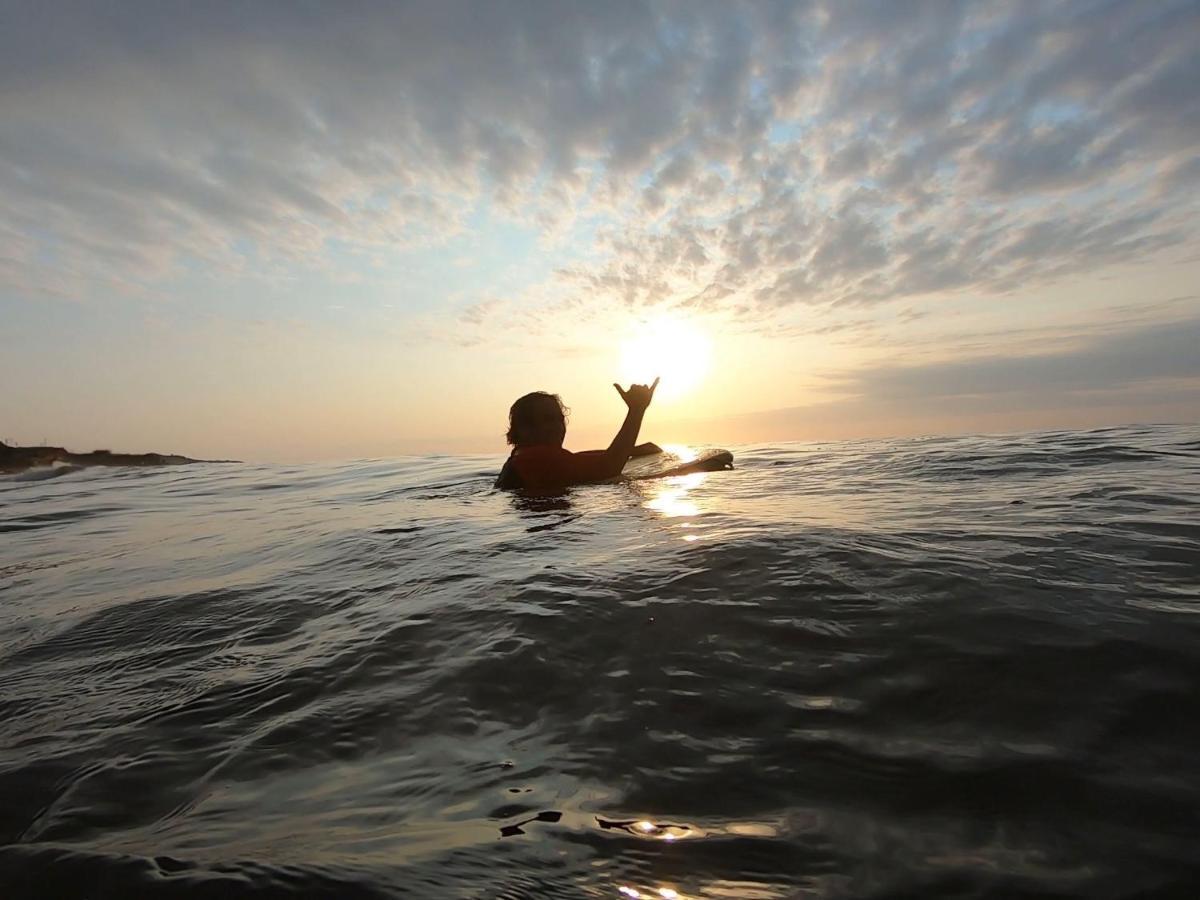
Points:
637	398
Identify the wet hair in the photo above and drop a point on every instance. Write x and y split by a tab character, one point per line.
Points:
521	415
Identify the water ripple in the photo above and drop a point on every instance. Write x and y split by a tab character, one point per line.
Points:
960	667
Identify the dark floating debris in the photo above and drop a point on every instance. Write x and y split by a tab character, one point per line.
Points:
515	829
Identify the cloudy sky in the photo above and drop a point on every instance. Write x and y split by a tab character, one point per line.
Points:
311	230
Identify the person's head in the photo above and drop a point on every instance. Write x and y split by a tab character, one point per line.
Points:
537	418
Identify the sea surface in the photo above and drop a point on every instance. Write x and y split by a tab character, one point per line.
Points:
953	667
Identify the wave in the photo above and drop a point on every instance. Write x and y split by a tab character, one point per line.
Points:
43	473
958	667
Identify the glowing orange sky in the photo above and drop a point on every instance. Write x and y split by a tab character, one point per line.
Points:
269	243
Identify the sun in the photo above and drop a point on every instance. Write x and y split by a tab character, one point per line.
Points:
666	347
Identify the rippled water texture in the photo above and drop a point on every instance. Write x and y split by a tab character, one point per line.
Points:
953	667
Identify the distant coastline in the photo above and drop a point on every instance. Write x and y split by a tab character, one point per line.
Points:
18	459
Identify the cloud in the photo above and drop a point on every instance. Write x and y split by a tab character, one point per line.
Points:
1129	359
1140	373
732	156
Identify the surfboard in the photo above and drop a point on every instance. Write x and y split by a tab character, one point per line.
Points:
668	463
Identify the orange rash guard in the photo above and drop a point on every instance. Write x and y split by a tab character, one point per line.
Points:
541	466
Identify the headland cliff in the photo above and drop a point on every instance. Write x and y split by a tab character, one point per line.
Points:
17	459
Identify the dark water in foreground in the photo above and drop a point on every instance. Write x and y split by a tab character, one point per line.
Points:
956	667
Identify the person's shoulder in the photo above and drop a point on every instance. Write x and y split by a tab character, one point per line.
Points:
541	451
509	478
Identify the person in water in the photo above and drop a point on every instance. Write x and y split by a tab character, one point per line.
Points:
537	426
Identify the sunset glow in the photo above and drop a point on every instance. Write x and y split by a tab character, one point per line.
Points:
670	348
229	235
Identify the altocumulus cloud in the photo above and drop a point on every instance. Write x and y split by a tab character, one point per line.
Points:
743	157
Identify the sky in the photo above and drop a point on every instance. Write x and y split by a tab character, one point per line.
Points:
297	231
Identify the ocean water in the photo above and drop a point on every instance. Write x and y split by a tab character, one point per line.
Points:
963	667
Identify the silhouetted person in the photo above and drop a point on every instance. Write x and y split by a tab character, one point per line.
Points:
537	426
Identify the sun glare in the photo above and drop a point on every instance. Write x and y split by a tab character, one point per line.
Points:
669	348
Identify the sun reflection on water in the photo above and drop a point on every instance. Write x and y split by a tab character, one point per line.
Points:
671	496
666	893
671	831
685	453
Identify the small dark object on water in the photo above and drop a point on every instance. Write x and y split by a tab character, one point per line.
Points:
547	816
